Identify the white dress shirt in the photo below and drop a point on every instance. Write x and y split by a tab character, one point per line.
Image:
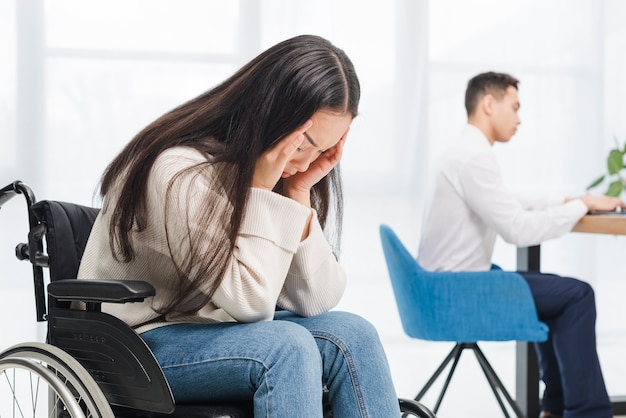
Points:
469	205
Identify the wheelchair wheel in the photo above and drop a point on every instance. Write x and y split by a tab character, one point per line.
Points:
40	380
411	408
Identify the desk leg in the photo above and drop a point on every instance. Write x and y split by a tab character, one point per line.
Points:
527	379
529	258
619	405
527	366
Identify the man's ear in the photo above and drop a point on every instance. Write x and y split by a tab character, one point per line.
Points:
486	104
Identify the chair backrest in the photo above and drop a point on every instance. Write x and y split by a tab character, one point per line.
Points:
462	306
115	356
68	226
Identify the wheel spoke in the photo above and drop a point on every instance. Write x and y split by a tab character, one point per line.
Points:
16	403
34	395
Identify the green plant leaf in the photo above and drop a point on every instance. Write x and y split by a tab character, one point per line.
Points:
615	188
595	183
615	161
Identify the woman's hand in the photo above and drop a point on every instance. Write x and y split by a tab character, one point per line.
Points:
298	186
271	165
282	161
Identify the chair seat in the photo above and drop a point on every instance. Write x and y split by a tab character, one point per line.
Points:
222	411
461	307
243	410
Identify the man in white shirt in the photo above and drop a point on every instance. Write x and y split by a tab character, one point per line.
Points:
469	206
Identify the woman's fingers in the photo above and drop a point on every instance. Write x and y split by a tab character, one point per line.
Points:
318	168
290	144
271	165
338	148
331	157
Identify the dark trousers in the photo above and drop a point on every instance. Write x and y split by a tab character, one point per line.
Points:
568	360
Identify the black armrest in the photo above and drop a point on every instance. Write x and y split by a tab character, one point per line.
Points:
115	291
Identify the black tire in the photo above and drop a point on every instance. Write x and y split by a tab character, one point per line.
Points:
411	408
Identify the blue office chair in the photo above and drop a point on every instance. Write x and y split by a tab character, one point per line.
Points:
463	307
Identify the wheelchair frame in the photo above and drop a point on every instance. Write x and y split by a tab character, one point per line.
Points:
93	364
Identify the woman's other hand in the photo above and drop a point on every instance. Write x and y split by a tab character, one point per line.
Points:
299	185
271	165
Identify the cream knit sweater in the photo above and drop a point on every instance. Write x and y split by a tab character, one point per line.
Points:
269	267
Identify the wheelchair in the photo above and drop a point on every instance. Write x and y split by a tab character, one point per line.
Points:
92	364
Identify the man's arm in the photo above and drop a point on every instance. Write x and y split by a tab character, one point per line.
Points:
485	193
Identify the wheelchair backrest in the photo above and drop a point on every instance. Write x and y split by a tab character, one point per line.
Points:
68	226
113	354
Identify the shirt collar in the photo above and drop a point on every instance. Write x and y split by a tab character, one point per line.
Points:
476	136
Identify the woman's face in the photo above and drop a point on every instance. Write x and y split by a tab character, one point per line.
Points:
327	129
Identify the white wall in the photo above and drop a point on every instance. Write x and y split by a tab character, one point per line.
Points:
79	79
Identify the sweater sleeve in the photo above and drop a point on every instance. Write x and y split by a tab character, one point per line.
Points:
485	194
267	241
315	282
266	251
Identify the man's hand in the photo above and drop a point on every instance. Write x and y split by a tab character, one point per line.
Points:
601	202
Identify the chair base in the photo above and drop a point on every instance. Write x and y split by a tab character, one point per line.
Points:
492	378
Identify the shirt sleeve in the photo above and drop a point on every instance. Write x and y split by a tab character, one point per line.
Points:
484	192
538	201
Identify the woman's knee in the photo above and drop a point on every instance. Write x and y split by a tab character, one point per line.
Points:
295	343
346	327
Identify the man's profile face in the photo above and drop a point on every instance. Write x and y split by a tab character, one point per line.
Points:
505	116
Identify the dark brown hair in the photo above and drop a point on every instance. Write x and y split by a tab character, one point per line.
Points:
487	83
233	124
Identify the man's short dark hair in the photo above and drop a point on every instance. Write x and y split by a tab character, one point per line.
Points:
487	83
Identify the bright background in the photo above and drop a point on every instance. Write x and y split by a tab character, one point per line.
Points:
78	78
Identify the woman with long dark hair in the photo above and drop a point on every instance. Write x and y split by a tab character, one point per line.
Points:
226	205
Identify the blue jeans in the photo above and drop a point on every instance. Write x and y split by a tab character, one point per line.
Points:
569	361
282	365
